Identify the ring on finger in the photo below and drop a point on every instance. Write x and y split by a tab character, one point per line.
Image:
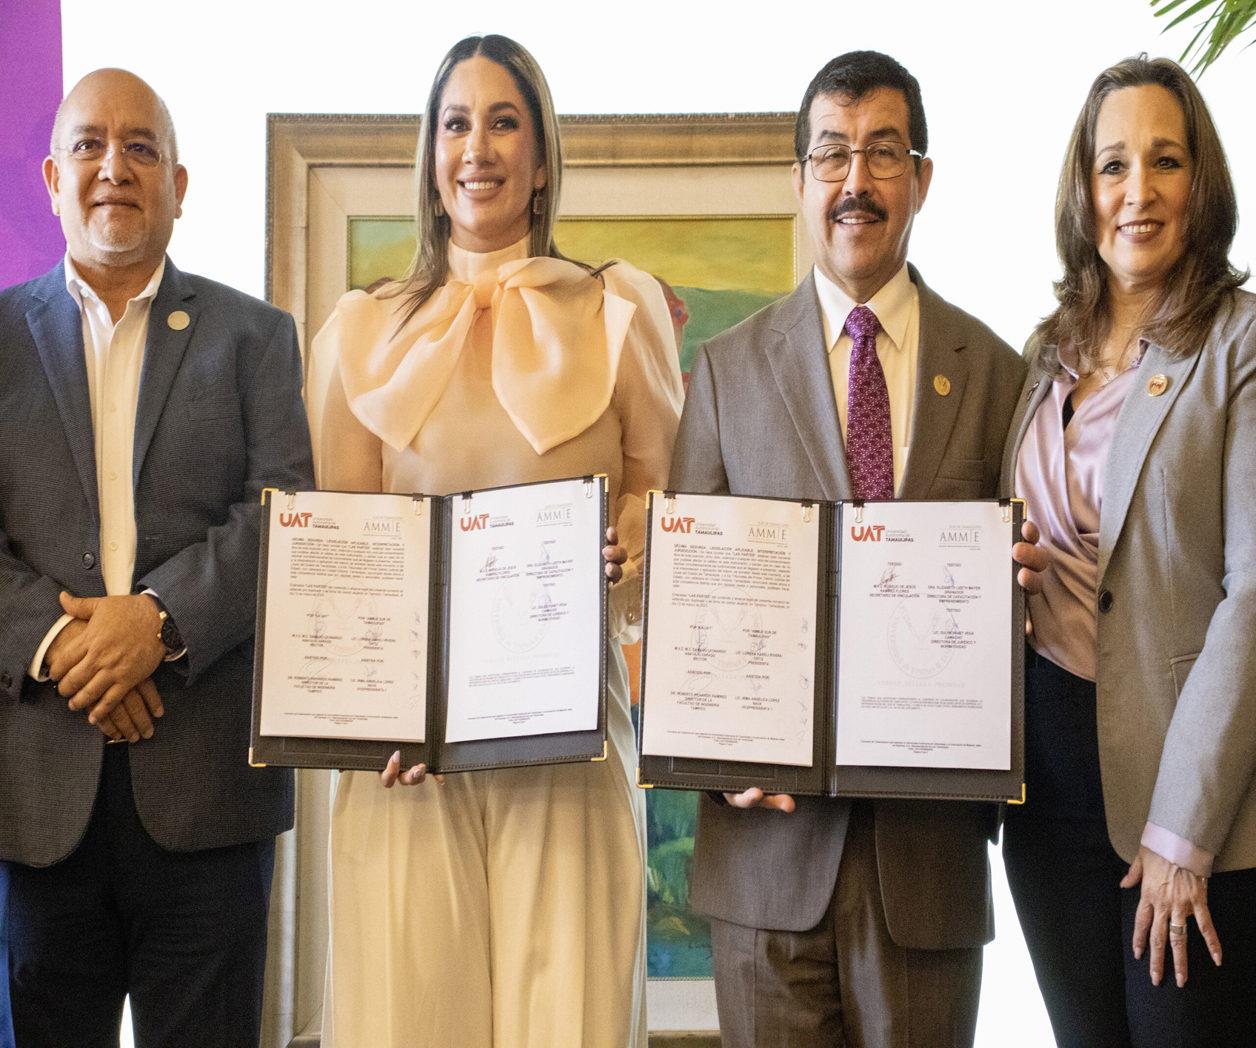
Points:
1177	931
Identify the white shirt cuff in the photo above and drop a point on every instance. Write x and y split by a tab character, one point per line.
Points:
37	669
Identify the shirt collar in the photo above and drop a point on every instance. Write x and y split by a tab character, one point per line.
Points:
80	288
892	304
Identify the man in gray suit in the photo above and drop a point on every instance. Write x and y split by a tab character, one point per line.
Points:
142	412
837	922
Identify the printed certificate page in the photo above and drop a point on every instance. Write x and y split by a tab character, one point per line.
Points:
344	653
525	623
925	661
730	650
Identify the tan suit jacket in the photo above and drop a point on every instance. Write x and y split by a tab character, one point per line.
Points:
760	419
1176	688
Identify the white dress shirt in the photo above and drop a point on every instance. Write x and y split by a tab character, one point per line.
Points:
115	359
897	308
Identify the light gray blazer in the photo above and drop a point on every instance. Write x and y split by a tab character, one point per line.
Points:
1176	686
760	419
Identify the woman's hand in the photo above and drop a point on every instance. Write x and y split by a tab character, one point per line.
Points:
1034	561
1032	558
614	555
1170	895
392	773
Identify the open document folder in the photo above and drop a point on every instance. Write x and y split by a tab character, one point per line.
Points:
468	630
849	648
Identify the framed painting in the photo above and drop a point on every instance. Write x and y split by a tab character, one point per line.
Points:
702	202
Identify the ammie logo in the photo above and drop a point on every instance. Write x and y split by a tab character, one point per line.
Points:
961	537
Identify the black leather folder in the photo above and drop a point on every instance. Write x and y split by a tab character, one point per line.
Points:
439	755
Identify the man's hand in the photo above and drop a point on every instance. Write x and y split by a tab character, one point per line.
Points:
132	719
756	798
1169	896
66	650
121	648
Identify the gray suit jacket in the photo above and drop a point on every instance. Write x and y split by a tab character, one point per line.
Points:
1176	686
760	419
219	418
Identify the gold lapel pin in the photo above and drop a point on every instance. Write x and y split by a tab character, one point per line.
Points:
178	320
1157	384
941	385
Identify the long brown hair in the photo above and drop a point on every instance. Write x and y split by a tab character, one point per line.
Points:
430	267
1201	281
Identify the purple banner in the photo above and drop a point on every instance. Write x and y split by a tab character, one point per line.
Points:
30	90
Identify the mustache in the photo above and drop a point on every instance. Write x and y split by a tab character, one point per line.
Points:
862	203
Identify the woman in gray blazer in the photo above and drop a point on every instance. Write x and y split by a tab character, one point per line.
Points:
1135	448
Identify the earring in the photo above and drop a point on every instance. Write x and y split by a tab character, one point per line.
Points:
538	202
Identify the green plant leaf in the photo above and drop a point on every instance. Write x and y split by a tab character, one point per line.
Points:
1224	22
1193	9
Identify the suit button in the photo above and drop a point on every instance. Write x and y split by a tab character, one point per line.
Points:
5	680
89	560
1105	601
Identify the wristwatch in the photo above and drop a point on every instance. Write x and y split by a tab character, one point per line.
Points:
169	635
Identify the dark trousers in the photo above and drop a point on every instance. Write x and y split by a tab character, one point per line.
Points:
184	933
1079	924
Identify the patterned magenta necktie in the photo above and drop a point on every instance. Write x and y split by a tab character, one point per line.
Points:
869	446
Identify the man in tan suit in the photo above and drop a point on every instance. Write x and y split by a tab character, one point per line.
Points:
838	922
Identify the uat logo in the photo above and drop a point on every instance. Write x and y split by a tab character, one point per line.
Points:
682	524
867	533
295	520
478	523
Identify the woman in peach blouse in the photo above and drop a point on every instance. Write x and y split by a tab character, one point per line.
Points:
500	908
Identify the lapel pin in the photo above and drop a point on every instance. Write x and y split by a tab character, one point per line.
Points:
178	320
1157	384
941	385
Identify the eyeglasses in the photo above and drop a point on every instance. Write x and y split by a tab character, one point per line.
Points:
884	160
137	151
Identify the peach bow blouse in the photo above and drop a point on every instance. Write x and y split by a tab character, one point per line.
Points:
518	369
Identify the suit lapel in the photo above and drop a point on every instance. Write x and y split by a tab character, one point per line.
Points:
801	369
1139	421
1037	386
56	325
163	353
933	415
